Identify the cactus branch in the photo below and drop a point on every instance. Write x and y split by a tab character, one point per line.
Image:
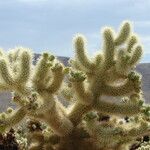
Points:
12	119
79	43
109	47
58	76
123	34
120	90
5	73
25	68
117	109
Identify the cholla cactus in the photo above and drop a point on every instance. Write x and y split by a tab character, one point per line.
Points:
93	120
144	146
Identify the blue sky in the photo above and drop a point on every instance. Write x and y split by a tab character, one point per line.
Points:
50	25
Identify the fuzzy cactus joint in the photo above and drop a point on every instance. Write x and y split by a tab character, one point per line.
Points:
105	105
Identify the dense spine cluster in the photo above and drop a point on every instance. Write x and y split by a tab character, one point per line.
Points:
94	120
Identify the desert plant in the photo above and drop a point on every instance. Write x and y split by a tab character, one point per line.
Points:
8	141
94	120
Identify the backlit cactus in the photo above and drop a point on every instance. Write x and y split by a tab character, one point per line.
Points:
91	85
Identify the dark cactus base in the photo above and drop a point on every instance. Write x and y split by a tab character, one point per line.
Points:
8	141
9	147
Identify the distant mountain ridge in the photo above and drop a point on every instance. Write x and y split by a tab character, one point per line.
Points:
143	68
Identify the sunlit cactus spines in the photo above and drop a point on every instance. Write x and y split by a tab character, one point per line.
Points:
92	119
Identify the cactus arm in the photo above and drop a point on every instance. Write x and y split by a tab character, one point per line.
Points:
5	73
60	124
110	135
141	130
23	75
144	146
126	61
16	98
113	76
58	76
16	117
132	41
41	71
12	119
74	64
25	68
117	109
121	65
107	135
67	92
14	54
108	48
98	60
51	112
84	96
123	35
8	77
132	84
54	115
79	44
44	102
136	55
120	90
4	87
76	113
